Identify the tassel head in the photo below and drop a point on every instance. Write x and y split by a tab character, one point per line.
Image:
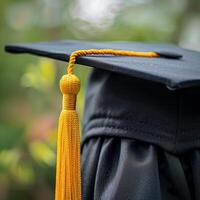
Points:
69	84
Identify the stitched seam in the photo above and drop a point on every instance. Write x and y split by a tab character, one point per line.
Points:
193	139
127	116
140	131
132	119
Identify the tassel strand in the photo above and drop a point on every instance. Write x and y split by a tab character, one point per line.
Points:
68	177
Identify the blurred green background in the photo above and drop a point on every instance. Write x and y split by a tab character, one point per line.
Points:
30	100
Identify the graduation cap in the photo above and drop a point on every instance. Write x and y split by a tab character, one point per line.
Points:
140	138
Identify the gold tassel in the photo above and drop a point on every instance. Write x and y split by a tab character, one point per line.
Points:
68	173
68	178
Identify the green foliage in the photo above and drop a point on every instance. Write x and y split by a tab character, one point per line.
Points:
29	93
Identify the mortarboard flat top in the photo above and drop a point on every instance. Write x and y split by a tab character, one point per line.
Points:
174	73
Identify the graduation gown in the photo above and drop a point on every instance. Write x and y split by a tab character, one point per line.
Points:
141	140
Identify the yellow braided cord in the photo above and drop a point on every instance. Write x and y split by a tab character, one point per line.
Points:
78	53
68	170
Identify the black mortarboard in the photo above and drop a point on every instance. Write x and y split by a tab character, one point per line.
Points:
182	71
140	139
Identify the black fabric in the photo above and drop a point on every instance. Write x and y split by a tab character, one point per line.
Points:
175	73
127	169
118	105
140	140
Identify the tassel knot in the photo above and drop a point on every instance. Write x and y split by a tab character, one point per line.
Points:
69	86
